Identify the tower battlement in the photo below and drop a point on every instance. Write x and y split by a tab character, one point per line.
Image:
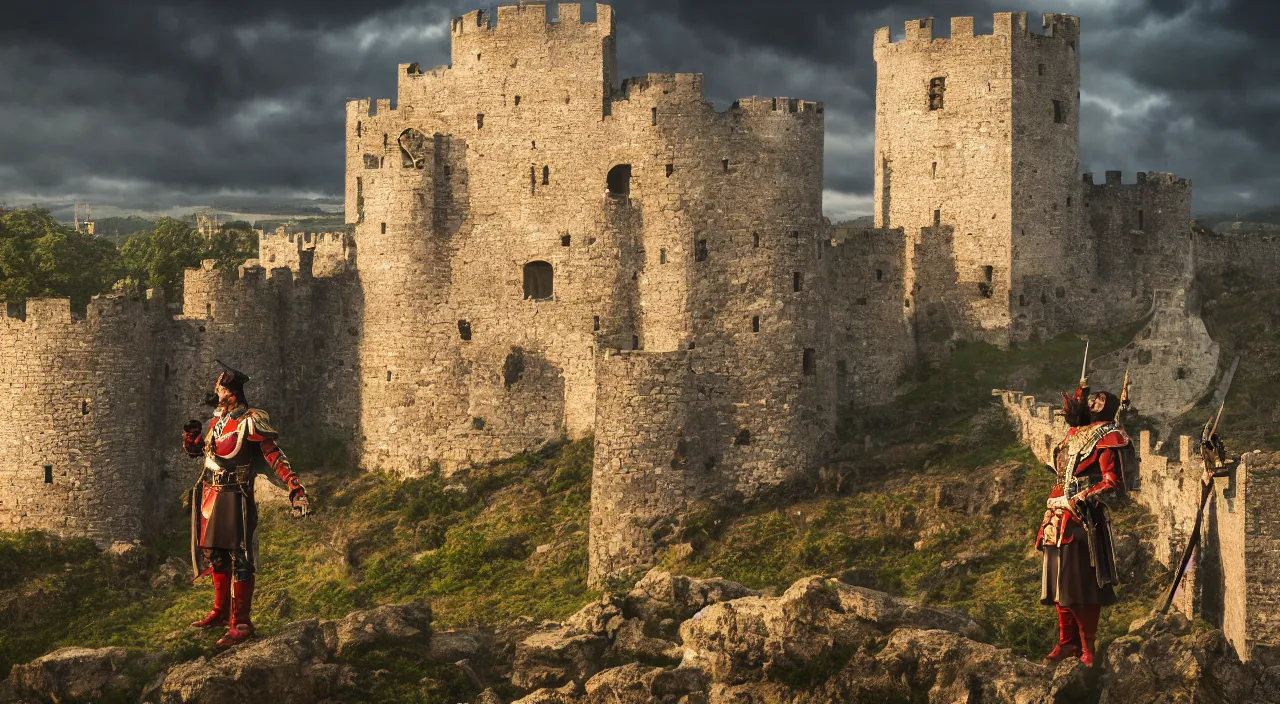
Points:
1065	28
1143	178
531	19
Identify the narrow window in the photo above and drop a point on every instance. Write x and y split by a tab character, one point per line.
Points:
810	361
1022	300
1068	201
906	303
879	274
937	87
546	175
662	255
479	120
208	310
795	234
1140	220
359	129
755	239
987	272
84	408
670	170
935	169
448	171
653	116
1040	68
48	474
388	375
1059	114
464	330
565	239
861	301
755	323
166	371
725	164
635	342
700	251
384	139
384	228
518	99
619	180
533	179
795	281
595	323
937	218
743	437
539	281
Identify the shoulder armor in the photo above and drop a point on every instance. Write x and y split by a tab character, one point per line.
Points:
1115	438
260	424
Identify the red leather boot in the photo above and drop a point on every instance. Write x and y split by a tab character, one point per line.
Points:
221	612
241	628
1087	616
1068	637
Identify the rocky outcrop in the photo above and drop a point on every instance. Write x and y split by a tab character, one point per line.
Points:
821	640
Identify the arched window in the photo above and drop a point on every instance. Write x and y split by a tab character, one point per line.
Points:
538	281
619	180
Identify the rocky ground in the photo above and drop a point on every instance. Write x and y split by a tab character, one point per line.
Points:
671	639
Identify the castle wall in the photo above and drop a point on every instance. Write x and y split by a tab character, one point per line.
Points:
77	394
1255	254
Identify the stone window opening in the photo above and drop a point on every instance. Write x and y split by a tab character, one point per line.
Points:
937	87
513	367
388	375
546	175
795	234
1022	300
795	281
539	280
984	289
565	240
382	161
1068	201
755	239
724	163
635	342
1140	219
906	303
166	371
810	361
937	218
208	310
755	323
413	148
742	438
477	423
879	274
653	116
464	330
479	120
533	179
1059	113
987	272
670	170
935	170
1180	373
861	301
691	344
370	161
1040	69
385	139
48	474
517	100
84	407
700	251
619	180
359	129
662	255
595	323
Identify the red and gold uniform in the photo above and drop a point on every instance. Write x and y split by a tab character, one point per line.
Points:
1079	571
237	445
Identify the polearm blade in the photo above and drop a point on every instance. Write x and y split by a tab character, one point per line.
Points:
1217	418
1084	368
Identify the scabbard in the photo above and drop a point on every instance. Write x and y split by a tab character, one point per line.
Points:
197	497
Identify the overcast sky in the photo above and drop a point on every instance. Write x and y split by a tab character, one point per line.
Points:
153	105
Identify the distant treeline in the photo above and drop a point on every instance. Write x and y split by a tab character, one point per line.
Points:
41	257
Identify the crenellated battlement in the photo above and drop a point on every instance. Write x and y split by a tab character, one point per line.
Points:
919	32
107	308
1143	178
525	19
756	105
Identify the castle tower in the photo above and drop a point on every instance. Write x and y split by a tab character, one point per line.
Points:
977	158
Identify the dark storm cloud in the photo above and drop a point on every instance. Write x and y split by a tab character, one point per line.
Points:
181	103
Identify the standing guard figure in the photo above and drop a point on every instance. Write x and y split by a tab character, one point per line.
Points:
237	445
1079	566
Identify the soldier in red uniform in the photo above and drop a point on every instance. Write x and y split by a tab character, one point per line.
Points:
237	444
1079	568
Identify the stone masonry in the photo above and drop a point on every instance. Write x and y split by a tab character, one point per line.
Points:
542	250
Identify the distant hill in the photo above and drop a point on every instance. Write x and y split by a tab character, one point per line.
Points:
119	229
1261	220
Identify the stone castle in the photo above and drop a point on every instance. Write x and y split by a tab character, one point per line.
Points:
543	251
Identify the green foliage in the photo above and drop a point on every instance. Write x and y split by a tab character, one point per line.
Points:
40	257
156	259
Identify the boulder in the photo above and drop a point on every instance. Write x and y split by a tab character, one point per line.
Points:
556	656
398	624
170	574
663	595
631	642
889	612
72	675
642	684
951	668
600	618
1199	667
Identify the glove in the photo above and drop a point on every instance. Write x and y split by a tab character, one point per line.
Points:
1061	502
192	430
301	506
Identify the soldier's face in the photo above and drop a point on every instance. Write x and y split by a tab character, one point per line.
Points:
1097	402
224	394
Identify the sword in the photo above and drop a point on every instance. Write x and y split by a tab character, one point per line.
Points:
1085	366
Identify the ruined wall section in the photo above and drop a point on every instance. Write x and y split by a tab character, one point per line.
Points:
1047	244
1254	254
950	168
871	337
77	393
1143	242
649	470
